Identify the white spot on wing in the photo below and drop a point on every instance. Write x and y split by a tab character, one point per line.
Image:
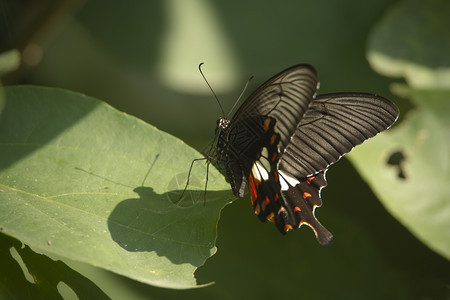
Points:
264	152
263	159
264	162
259	172
287	180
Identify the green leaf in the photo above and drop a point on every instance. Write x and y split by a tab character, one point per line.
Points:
409	167
85	182
412	41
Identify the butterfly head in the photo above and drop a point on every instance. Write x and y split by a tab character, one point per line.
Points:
223	123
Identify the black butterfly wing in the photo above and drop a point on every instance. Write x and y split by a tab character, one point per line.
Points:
331	127
288	206
302	199
284	97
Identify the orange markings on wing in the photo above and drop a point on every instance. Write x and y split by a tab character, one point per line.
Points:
266	124
297	209
306	195
287	227
276	197
309	179
273	138
265	203
274	156
270	217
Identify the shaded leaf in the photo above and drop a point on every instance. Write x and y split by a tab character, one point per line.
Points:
412	41
39	276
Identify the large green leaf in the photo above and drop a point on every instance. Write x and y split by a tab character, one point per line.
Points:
409	167
83	181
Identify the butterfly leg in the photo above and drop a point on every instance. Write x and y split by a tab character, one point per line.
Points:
189	176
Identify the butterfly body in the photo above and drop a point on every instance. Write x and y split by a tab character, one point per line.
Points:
283	138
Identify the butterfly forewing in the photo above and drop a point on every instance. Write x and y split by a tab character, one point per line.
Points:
285	97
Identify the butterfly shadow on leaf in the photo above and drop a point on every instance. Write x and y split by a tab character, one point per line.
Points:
152	222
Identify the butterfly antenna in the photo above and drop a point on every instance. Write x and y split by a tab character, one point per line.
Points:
242	93
215	96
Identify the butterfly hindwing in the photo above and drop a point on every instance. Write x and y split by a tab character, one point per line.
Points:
291	208
277	197
302	197
334	124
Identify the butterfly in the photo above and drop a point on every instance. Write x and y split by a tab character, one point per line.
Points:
283	138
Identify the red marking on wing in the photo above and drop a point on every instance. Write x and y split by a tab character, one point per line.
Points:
309	179
252	188
306	195
297	208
